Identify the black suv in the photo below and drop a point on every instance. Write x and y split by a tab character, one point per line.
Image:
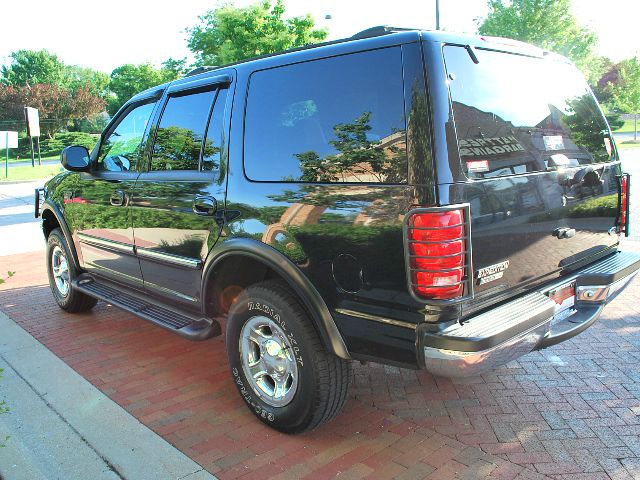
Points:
413	198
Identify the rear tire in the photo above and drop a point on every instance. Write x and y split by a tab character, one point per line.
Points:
62	271
278	362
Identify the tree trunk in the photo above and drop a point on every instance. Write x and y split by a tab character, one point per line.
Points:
635	127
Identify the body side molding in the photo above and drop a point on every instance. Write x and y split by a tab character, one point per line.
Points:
275	260
106	244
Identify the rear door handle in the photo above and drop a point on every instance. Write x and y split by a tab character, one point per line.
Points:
205	205
118	198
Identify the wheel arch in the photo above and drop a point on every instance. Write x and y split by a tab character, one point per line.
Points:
52	218
261	262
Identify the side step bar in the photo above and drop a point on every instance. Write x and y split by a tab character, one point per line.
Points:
193	328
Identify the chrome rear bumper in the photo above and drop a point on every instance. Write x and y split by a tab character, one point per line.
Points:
527	323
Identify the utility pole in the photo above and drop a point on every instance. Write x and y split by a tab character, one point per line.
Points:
437	14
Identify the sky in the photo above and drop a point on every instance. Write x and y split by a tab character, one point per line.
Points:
104	35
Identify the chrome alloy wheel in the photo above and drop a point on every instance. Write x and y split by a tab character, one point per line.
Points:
60	270
268	361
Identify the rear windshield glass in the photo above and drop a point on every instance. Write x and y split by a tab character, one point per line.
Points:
515	114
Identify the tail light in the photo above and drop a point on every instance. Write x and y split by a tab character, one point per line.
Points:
624	204
439	253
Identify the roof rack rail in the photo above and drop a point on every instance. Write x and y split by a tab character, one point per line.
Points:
197	70
380	30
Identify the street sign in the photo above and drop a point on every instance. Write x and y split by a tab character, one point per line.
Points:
32	116
8	139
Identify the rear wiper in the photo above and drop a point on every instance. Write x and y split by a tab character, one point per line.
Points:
472	53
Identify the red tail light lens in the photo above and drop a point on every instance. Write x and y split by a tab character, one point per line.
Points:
624	205
438	253
439	286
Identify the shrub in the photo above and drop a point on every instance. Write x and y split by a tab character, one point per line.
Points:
56	144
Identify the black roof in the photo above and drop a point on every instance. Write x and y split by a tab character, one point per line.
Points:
375	37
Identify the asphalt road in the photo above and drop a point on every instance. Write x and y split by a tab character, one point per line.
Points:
19	229
27	163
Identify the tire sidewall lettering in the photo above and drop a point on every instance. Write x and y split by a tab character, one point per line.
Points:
248	397
275	316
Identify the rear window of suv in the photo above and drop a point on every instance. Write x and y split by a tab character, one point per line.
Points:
338	119
516	114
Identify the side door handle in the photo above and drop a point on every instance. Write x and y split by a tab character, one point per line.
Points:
205	205
118	198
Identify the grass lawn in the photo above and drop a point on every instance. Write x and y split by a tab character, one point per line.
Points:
13	159
628	126
627	145
29	173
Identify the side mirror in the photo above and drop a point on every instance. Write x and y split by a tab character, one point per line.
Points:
75	158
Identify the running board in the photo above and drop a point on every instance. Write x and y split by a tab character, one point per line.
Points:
193	328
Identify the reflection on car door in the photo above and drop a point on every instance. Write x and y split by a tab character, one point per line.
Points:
175	203
99	204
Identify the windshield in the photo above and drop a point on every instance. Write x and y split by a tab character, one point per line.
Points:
516	114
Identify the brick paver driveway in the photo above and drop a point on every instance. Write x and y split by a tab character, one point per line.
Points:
570	412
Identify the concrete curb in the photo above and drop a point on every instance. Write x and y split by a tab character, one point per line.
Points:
64	427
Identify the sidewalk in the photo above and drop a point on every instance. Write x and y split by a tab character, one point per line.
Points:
62	427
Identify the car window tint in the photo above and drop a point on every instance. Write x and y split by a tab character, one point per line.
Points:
215	136
516	114
180	133
122	148
338	119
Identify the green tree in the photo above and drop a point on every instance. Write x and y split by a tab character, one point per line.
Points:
56	105
176	148
80	77
357	156
129	79
178	67
625	89
548	24
229	34
30	67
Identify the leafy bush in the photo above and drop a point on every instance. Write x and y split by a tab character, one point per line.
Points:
55	145
9	274
615	121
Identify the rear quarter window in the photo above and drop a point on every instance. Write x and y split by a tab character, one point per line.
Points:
338	119
515	114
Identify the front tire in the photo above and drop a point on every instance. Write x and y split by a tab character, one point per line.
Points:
62	272
279	365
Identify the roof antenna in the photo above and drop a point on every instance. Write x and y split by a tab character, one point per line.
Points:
472	53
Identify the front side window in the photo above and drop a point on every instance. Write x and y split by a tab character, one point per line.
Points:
122	148
515	114
339	119
181	131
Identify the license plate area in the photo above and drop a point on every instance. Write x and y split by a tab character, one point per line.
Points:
564	297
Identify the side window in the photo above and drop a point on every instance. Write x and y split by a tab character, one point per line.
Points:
122	148
181	131
212	151
338	119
